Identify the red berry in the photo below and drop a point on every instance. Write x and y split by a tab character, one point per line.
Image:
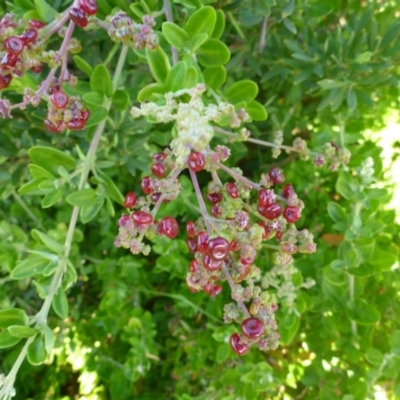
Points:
252	328
158	170
52	127
276	175
76	124
193	266
29	36
192	246
215	290
59	99
272	211
190	229
9	61
196	161
245	270
14	45
78	16
214	197
265	197
142	218
155	196
169	227
37	69
232	190
288	191
89	6
35	24
218	248
130	200
202	242
234	245
85	114
158	157
268	232
279	235
211	264
215	211
239	348
292	214
147	185
5	81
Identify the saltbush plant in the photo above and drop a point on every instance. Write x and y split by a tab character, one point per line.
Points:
192	206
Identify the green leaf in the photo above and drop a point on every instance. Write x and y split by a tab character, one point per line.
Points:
362	312
31	266
45	11
213	53
158	63
326	84
351	99
191	77
97	114
151	92
244	90
94	99
48	338
214	77
12	316
176	76
111	188
288	9
38	172
121	100
49	242
37	351
201	21
50	159
53	197
174	35
256	111
223	353
100	81
289	25
197	41
82	198
219	25
374	356
83	65
89	212
334	276
6	340
60	304
364	57
22	332
336	212
288	328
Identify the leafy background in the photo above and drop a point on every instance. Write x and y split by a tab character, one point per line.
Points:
328	71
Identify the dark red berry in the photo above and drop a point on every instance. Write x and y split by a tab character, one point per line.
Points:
252	328
37	69
142	218
29	36
279	235
52	127
193	266
14	45
59	99
35	24
9	61
215	210
276	175
158	157
190	229
76	124
192	246
78	16
215	290
232	190
272	211
169	227
147	185
218	248
268	231
292	214
85	114
239	348
214	197
158	170
210	264
234	245
130	200
288	191
155	196
265	197
89	6
5	80
196	161
202	242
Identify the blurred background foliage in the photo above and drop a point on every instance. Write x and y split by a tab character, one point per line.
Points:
327	71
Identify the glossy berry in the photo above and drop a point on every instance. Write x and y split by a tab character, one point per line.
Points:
85	114
14	45
214	197
268	231
265	197
59	99
169	227
190	229
232	190
158	170
215	290
292	214
51	127
141	218
196	161
147	185
9	61
234	246
287	191
130	200
155	196
279	235
37	69
239	348
192	245
194	266
276	175
202	242
215	212
76	124
89	6
5	81
272	211
218	248
35	24
78	16
29	36
252	328
210	264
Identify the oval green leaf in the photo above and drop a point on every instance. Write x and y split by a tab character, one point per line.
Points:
244	90
213	53
37	351
12	316
100	81
60	304
176	77
256	111
22	332
201	21
158	63
174	35
214	77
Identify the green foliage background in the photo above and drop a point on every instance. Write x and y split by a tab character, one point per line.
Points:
328	72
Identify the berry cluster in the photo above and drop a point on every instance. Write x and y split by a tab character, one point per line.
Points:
85	8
